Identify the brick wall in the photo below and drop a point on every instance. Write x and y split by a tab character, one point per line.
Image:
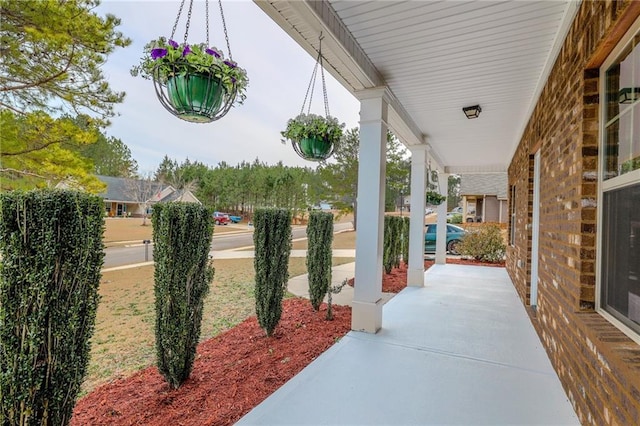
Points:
598	365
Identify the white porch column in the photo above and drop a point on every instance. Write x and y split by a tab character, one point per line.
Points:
415	273
441	232
367	298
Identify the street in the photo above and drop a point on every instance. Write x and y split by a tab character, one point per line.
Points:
118	256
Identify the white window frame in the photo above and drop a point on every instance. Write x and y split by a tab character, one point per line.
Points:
611	183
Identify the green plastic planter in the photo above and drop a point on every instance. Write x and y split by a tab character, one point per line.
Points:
315	148
195	97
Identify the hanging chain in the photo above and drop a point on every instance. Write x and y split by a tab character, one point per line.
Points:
312	84
310	90
186	31
224	26
324	84
175	25
206	11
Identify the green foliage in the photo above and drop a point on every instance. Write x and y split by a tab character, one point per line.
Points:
455	218
453	193
485	243
272	241
393	240
182	235
38	151
110	157
434	198
168	58
51	250
52	52
405	239
314	126
320	237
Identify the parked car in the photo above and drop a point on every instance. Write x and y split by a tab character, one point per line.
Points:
455	234
428	210
221	218
235	219
457	210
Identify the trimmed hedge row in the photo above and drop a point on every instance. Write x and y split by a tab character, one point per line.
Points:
52	253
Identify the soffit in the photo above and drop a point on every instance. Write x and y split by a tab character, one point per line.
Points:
436	57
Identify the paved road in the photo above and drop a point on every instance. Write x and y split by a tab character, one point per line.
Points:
135	253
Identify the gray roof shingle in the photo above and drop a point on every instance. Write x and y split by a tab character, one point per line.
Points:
484	184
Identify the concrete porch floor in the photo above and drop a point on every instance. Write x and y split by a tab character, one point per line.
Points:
459	351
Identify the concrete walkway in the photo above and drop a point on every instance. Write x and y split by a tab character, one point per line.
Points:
460	351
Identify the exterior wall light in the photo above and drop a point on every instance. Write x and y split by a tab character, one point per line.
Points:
472	111
628	95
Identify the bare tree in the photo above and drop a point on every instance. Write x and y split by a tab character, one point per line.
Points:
144	192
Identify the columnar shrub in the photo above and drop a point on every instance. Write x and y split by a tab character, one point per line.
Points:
398	224
387	246
320	237
485	243
182	239
272	241
51	254
405	239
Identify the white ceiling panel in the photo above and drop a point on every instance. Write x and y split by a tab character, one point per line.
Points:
437	57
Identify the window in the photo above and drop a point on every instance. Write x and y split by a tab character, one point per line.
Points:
512	223
619	224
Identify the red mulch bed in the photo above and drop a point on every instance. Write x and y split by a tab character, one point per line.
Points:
232	373
396	280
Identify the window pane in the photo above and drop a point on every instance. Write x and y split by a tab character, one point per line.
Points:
622	133
620	290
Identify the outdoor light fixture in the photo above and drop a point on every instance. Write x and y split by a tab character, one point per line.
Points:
472	111
628	95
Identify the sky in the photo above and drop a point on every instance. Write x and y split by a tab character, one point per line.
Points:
279	72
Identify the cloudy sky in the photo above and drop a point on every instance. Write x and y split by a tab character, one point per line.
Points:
279	72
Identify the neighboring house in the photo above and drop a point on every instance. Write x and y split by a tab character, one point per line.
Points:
134	197
484	197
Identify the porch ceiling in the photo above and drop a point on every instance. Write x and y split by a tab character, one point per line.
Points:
436	57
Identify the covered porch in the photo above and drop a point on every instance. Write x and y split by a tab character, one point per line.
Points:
460	350
415	66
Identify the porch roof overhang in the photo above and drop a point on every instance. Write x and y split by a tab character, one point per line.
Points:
432	58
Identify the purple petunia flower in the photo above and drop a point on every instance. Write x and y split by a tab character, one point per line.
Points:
186	50
213	52
173	44
231	64
158	53
233	79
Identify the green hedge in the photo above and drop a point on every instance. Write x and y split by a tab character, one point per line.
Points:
405	239
393	242
182	239
320	237
484	243
272	240
52	253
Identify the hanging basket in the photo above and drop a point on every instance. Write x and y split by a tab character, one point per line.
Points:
195	97
194	82
434	198
313	148
312	136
